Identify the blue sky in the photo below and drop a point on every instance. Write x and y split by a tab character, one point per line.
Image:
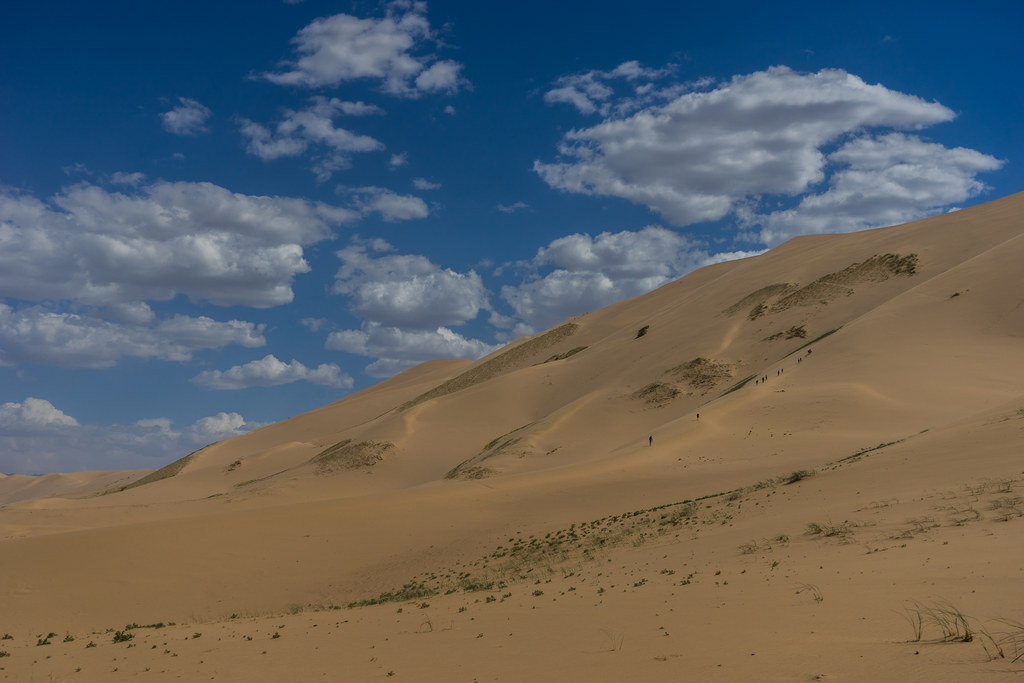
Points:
217	215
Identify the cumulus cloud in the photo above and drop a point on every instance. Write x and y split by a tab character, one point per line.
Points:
400	349
424	184
269	372
38	335
512	208
709	151
188	118
37	437
406	291
392	50
881	181
390	206
32	415
580	273
595	91
312	130
93	246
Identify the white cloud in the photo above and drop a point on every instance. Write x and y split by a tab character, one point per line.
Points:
131	179
424	184
220	426
389	205
391	50
704	152
314	324
269	372
313	129
440	76
406	291
32	415
882	181
512	208
206	333
580	273
188	118
37	437
592	91
398	160
98	247
397	349
37	335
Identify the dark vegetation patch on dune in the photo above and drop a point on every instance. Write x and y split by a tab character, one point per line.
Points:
840	283
778	297
567	354
165	472
755	300
795	332
701	373
346	455
514	358
657	393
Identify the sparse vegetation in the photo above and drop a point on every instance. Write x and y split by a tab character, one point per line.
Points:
567	354
346	455
701	373
798	475
813	590
657	393
642	331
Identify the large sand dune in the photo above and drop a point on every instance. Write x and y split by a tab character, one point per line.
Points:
847	505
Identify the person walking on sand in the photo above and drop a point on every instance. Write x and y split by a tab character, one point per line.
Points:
650	441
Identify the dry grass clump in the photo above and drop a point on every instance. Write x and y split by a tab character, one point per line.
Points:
516	357
657	393
834	285
702	373
567	354
346	455
795	332
754	302
956	627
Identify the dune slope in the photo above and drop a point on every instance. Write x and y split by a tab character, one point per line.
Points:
780	468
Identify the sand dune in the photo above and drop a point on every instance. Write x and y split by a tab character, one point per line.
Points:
851	488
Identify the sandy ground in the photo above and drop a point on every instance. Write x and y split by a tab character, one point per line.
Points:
849	505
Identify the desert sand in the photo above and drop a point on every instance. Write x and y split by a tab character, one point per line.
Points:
805	465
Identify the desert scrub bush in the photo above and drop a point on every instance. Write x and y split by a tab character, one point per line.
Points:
642	331
123	636
798	475
1008	507
828	529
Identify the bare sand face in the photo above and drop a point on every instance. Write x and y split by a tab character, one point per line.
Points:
848	505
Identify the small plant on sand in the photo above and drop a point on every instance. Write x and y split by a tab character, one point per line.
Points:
4	653
123	636
812	589
951	622
7	636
